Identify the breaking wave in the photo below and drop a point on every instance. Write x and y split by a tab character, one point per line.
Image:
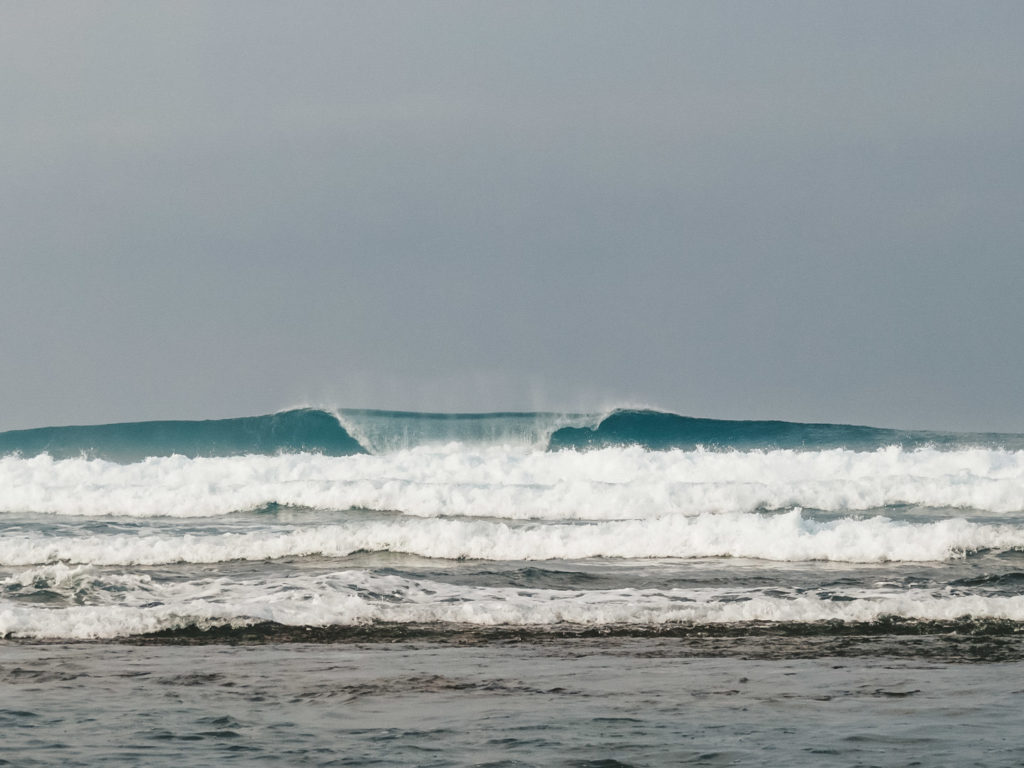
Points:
348	432
606	484
311	523
790	536
355	598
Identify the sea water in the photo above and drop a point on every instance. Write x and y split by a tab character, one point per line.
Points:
631	588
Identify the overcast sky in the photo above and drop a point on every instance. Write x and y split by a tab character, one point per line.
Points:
799	210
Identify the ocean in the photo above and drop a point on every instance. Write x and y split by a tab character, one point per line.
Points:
630	588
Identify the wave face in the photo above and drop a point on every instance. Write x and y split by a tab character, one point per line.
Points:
297	431
632	523
388	431
347	432
663	431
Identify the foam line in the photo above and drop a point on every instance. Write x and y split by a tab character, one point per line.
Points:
356	598
612	483
781	537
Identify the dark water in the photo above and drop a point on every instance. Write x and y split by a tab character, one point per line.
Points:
590	702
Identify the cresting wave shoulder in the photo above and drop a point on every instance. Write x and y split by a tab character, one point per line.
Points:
303	430
657	430
348	432
343	432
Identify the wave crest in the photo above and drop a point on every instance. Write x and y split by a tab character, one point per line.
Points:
659	431
355	598
786	537
613	483
304	430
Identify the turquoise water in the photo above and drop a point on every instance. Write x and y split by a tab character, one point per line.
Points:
630	588
347	432
287	432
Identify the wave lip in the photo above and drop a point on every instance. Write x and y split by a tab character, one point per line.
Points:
304	430
383	432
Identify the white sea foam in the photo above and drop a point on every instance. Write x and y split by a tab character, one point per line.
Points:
357	598
387	432
613	483
782	537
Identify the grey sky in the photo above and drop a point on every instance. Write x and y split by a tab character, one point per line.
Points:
809	211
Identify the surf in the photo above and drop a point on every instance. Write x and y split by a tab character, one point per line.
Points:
508	483
350	432
793	536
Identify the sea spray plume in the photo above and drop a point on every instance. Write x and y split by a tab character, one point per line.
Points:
383	432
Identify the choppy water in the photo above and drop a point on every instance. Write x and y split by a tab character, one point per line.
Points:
585	703
631	552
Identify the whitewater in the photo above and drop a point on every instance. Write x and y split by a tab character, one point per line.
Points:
353	587
631	522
